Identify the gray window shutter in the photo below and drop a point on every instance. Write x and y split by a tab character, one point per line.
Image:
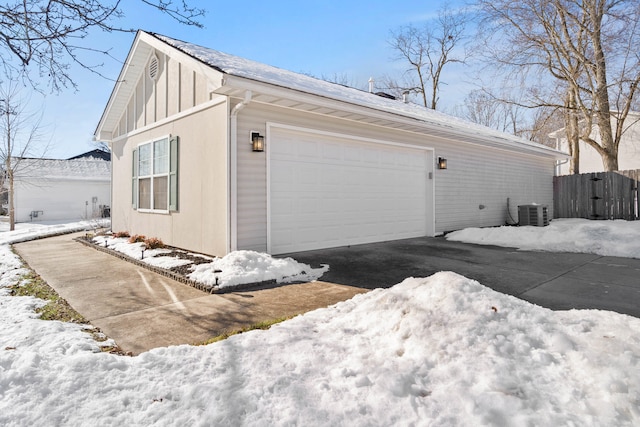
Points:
173	173
134	180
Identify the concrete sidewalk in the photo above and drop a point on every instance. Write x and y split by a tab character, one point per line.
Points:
142	310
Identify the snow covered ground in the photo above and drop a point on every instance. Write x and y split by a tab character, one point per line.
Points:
25	231
442	350
608	238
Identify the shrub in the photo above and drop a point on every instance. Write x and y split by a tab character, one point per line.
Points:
121	234
153	243
137	238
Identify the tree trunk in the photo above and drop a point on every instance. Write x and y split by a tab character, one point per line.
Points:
574	150
610	160
572	131
12	213
601	96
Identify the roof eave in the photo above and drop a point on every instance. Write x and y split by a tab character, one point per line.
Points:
141	48
234	86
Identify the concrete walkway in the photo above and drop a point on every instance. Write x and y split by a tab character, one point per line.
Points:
142	310
559	281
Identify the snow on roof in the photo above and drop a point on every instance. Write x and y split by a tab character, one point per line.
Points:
246	68
88	169
96	154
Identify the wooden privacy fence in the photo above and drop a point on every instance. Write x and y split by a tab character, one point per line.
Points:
599	195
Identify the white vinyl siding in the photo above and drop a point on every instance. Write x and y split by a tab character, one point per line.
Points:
479	182
476	176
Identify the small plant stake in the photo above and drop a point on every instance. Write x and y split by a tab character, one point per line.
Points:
216	272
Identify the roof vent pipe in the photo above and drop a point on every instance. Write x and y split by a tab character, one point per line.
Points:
405	96
371	81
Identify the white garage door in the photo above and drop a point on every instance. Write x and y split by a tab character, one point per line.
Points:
328	191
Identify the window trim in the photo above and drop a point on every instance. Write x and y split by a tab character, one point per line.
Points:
171	175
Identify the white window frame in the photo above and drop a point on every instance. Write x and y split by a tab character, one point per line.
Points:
152	176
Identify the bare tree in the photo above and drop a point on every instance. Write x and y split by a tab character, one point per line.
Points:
20	133
588	47
545	121
427	51
481	107
43	37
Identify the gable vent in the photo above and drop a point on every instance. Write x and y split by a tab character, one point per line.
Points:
153	67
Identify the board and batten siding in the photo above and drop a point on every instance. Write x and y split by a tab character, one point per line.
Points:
177	88
476	176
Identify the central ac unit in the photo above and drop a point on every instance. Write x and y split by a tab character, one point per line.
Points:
536	215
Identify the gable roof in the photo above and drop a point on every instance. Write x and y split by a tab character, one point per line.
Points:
235	76
83	169
93	154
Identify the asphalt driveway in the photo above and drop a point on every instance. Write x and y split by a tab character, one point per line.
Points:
558	281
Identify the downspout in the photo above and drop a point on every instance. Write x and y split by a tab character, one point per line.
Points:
559	163
233	172
110	145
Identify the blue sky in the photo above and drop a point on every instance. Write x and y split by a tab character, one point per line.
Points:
322	38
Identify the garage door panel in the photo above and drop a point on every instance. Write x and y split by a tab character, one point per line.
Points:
328	191
331	151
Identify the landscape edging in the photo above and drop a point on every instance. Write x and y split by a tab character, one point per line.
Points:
167	273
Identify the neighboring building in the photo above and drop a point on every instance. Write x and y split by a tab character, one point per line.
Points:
96	154
340	166
590	159
60	190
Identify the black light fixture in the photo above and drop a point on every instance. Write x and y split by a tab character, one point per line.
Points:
442	163
257	142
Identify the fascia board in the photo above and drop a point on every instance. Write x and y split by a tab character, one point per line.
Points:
119	89
213	76
231	83
141	48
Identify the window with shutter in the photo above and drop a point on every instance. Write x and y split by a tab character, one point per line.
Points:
155	176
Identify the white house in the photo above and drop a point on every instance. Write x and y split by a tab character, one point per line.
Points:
591	161
56	190
330	165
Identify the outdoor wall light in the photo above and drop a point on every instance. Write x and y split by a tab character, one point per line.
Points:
442	163
257	142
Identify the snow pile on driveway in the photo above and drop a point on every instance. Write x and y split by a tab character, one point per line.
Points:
607	238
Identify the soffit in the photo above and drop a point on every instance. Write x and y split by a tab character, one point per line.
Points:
236	87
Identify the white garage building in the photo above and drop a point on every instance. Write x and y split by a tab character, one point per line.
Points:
330	166
61	190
